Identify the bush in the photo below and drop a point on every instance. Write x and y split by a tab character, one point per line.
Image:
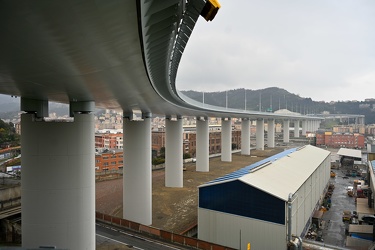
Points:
157	161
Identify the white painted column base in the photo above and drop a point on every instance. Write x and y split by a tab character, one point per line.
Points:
202	149
286	131
58	183
260	134
137	186
304	127
296	128
271	133
245	137
226	140
173	153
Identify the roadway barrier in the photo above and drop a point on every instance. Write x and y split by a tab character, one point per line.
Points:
161	234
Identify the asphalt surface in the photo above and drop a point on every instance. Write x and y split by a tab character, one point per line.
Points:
108	237
334	230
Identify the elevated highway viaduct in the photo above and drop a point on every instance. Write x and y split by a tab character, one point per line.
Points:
114	55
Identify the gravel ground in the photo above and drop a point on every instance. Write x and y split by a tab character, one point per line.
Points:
175	209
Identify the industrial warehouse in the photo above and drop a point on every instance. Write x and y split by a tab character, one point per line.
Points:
265	205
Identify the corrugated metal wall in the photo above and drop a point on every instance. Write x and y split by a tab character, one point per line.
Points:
308	196
237	231
236	197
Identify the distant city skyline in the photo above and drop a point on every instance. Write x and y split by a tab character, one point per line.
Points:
318	49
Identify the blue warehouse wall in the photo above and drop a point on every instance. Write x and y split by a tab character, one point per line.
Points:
241	199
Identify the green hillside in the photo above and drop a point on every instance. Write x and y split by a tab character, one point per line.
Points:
272	99
8	136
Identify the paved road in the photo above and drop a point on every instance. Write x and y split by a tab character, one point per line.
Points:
108	236
334	232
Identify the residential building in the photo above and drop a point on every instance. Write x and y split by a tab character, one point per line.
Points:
106	160
340	140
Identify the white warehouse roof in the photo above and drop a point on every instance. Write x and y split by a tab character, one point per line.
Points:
287	174
355	153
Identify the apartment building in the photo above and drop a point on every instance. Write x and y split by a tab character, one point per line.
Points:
109	140
340	140
108	159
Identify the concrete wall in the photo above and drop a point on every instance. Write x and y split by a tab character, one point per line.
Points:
10	196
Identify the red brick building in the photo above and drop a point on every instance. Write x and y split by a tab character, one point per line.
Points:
109	160
340	140
190	143
109	141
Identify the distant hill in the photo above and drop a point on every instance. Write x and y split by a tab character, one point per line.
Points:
272	99
269	99
10	107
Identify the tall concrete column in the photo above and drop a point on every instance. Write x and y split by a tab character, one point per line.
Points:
296	128
226	140
313	126
309	126
286	130
304	127
260	134
245	136
58	182
173	153
271	133
137	186
202	149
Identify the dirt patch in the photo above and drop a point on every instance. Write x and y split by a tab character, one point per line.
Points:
175	209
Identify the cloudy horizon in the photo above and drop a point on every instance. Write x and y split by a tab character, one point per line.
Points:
321	49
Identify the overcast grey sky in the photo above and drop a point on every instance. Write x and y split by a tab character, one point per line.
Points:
323	49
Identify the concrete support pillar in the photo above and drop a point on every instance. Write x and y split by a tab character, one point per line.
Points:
271	133
245	136
260	134
173	153
363	121
318	125
58	182
313	126
296	128
137	186
309	129
226	140
304	127
202	149
286	130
